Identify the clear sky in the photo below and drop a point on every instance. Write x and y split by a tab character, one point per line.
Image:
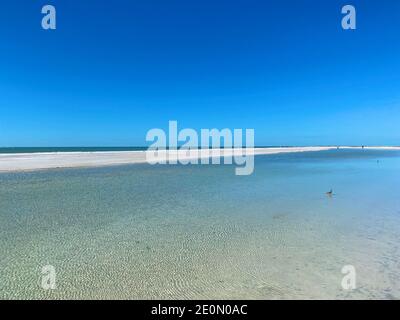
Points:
112	70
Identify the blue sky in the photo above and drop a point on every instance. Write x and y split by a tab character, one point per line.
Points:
112	70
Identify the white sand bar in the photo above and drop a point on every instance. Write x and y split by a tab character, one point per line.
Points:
39	161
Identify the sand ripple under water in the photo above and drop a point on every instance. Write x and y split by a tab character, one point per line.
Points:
200	232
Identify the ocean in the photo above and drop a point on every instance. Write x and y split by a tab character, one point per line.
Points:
9	150
68	149
201	232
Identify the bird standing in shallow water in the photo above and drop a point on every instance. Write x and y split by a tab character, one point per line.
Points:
329	193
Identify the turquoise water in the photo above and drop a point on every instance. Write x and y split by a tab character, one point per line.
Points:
200	232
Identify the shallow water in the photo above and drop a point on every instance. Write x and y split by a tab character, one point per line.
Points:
200	232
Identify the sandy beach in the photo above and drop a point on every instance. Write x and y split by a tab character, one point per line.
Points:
41	161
